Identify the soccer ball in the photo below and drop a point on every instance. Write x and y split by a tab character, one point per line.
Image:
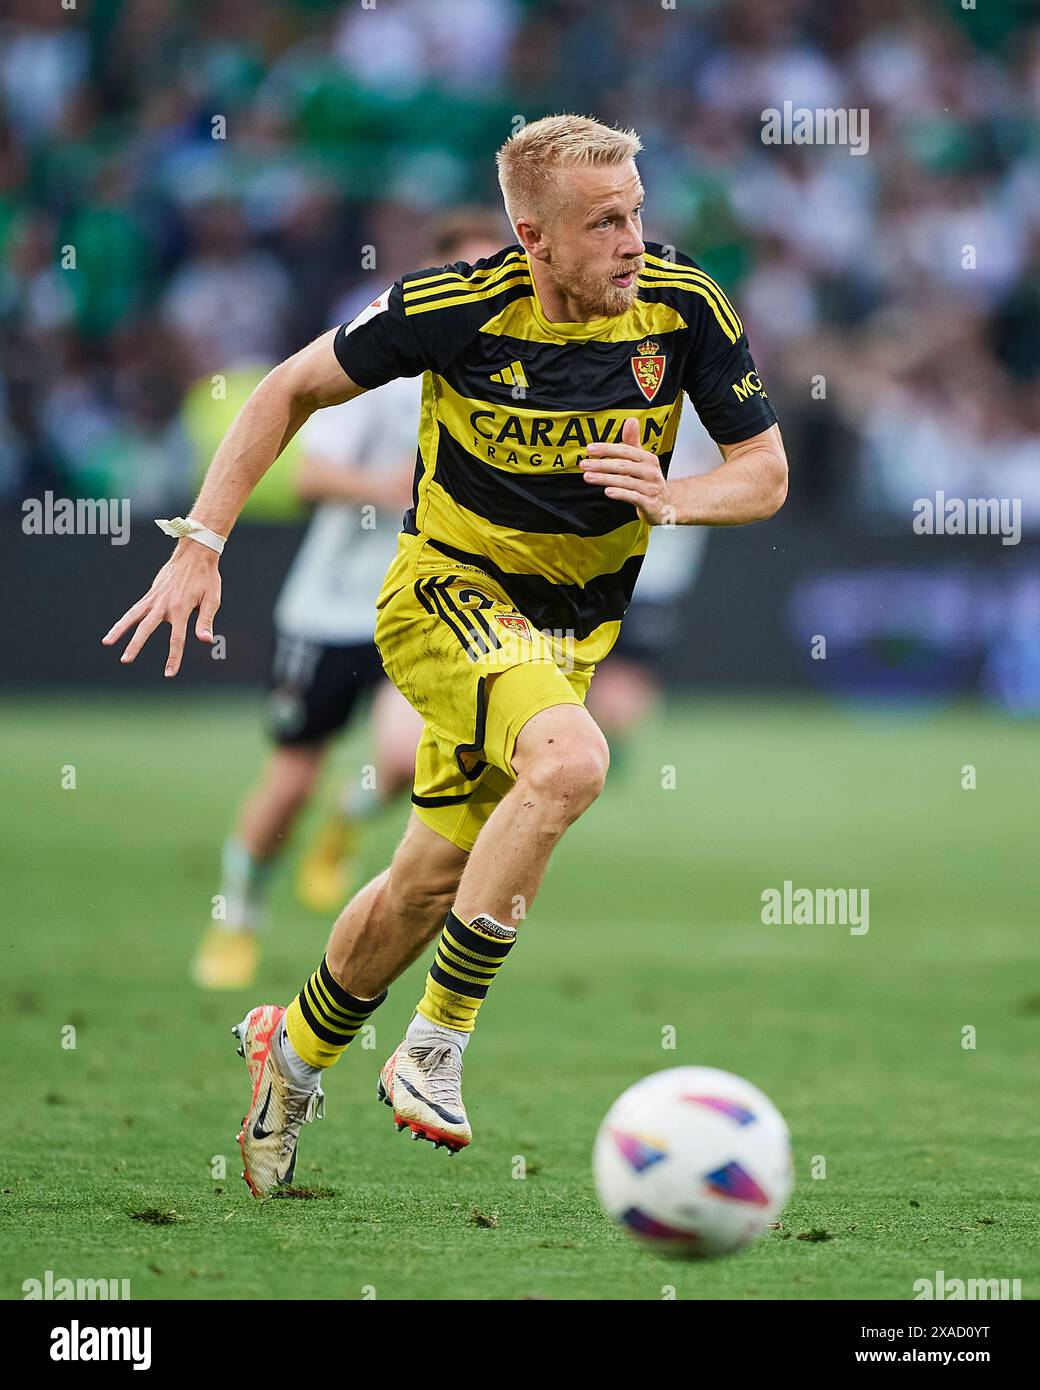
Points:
693	1161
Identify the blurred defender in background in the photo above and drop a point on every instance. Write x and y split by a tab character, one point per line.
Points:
630	684
357	465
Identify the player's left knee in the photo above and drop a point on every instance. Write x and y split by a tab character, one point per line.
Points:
569	773
585	773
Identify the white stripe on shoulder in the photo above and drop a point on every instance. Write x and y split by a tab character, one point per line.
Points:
378	306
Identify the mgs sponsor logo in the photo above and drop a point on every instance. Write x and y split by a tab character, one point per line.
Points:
747	386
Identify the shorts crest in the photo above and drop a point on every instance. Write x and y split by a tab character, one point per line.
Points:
515	622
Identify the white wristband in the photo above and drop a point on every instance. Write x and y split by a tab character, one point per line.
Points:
181	527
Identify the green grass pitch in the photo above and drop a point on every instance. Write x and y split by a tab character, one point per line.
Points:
648	921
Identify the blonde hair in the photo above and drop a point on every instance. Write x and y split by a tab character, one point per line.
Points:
529	160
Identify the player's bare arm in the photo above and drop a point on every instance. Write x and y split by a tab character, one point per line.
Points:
190	580
749	485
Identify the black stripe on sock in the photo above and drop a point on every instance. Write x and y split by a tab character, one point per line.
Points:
332	1018
456	985
332	1011
343	997
318	1029
484	972
483	945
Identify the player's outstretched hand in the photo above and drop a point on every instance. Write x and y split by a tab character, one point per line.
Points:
630	473
190	579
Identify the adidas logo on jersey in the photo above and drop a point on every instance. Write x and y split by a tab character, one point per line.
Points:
513	375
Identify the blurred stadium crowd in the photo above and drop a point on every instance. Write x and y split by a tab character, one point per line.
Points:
225	173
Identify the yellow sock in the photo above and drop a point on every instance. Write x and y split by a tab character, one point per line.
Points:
323	1018
467	960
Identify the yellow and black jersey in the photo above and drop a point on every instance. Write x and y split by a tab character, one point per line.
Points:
511	400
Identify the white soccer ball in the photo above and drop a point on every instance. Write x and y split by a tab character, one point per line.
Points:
693	1161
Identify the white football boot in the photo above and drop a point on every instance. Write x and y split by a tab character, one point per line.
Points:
422	1083
271	1127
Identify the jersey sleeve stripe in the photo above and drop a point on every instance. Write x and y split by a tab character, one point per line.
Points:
422	278
454	291
700	278
651	278
454	299
460	287
723	322
678	268
655	268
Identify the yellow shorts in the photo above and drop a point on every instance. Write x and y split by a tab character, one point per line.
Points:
442	629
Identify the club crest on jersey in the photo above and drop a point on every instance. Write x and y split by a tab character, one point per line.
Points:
648	368
515	622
